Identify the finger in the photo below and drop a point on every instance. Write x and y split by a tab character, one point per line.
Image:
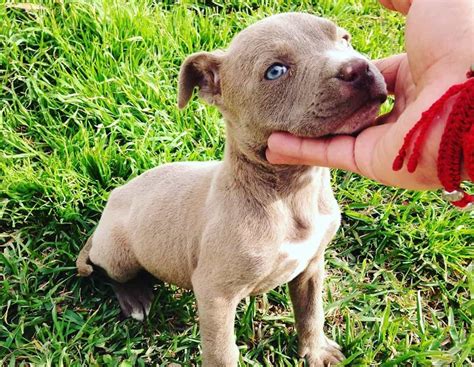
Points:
333	152
388	4
389	68
402	6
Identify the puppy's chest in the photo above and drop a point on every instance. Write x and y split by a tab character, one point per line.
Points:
293	256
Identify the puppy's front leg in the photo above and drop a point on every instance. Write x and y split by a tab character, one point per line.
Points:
216	322
306	296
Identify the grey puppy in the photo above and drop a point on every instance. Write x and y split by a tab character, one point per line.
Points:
242	226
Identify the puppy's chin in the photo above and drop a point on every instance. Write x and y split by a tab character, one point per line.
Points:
362	118
357	121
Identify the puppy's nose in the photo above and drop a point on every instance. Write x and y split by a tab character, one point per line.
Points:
356	72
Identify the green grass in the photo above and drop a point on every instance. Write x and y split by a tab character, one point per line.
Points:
88	101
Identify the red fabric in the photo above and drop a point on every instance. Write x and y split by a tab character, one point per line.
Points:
468	148
457	141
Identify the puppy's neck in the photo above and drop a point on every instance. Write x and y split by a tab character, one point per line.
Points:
250	172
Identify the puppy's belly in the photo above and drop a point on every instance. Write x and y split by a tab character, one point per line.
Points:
293	257
169	263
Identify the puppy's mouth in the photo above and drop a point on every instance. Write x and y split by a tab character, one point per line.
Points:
349	123
358	120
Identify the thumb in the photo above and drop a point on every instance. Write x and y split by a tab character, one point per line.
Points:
389	67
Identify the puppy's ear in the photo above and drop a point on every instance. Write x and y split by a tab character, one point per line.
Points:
201	70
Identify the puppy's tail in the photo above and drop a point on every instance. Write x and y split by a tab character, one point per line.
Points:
83	264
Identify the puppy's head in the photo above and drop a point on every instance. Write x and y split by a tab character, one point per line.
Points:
290	72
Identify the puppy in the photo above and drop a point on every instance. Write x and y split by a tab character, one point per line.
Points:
242	226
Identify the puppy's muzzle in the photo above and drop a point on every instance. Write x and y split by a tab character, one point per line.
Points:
357	74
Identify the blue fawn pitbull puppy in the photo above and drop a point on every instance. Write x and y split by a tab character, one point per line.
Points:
242	226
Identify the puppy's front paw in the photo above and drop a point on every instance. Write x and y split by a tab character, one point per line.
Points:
324	354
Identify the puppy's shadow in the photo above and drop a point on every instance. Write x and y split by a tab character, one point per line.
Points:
173	310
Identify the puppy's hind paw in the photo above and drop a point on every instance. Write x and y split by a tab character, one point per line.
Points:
135	297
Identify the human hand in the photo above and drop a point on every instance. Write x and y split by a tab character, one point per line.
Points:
439	52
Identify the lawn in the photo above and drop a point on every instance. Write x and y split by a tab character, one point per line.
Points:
88	101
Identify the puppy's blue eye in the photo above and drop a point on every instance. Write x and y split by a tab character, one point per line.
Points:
275	71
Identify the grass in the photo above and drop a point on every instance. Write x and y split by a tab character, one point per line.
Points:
88	101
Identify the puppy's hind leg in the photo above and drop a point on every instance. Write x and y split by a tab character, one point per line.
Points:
133	287
83	264
135	296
